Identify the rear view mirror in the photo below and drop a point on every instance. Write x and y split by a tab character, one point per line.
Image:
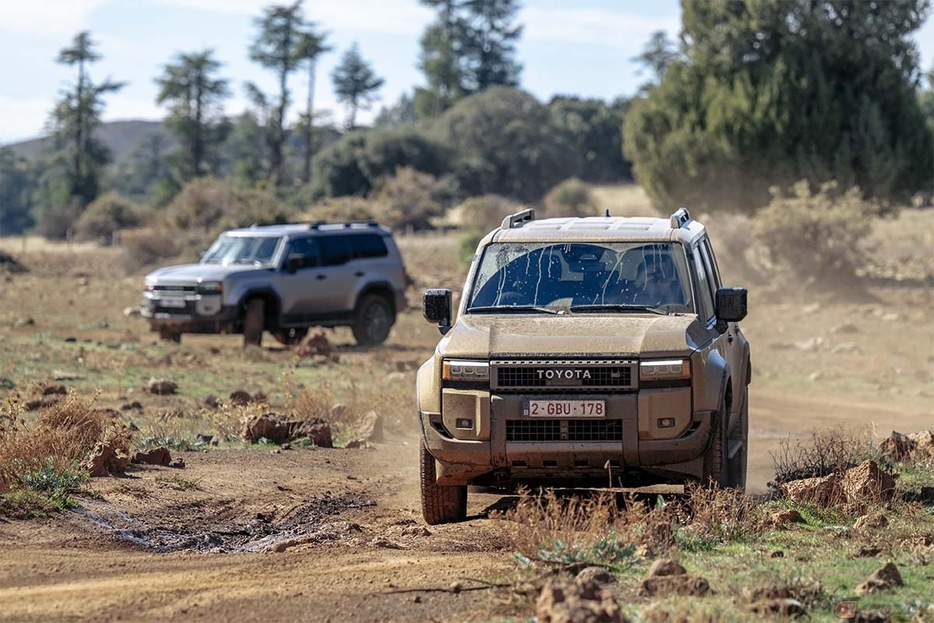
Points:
731	306
437	304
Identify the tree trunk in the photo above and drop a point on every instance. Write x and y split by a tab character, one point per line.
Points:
309	125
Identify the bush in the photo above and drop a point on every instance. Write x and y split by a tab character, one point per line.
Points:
149	246
105	216
412	199
572	197
483	214
342	209
213	205
815	236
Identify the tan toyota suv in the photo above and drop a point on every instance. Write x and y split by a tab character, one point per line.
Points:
585	351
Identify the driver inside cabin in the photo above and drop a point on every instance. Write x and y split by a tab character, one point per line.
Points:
655	283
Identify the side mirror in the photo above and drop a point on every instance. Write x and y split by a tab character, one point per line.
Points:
731	306
294	262
437	304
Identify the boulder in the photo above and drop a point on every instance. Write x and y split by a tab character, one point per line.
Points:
867	483
566	601
924	441
279	430
161	387
156	456
664	566
371	427
882	579
240	398
667	585
55	390
897	446
316	345
784	607
107	460
823	491
789	515
595	574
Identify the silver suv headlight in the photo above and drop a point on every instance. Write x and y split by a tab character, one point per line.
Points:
211	287
465	370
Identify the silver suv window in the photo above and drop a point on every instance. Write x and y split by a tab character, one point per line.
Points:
569	275
253	250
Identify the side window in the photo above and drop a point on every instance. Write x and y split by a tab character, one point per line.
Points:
368	245
705	307
307	249
711	262
335	250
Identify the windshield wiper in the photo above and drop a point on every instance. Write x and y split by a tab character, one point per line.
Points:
619	308
506	309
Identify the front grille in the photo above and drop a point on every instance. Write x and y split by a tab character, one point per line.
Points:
175	287
533	430
563	375
564	430
595	430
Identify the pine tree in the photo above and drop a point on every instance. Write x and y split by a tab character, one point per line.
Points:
355	84
195	99
311	45
488	38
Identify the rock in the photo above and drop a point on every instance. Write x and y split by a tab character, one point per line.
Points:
874	520
665	566
765	593
595	574
61	375
157	456
789	515
867	552
132	310
371	427
822	491
924	441
882	579
810	308
240	398
107	460
846	347
161	387
891	317
846	327
55	390
785	607
870	616
277	430
316	345
415	531
897	446
356	443
867	483
211	402
682	585
286	446
132	406
777	554
810	345
816	376
566	601
177	463
208	439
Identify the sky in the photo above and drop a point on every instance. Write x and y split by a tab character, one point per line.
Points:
570	47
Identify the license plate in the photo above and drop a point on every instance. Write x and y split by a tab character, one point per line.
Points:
173	303
565	408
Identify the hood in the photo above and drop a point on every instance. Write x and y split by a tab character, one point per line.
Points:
483	336
198	272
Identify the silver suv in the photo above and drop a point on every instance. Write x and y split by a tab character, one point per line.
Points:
594	351
283	279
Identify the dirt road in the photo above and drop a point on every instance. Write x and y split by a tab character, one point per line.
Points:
202	543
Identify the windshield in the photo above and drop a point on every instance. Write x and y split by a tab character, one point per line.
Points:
580	277
253	250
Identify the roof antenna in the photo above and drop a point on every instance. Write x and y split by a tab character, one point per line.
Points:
607	213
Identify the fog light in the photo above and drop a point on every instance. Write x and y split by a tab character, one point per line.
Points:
464	423
666	422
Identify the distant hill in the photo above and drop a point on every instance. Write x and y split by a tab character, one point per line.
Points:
121	137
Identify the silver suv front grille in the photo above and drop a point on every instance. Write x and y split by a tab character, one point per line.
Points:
563	375
564	430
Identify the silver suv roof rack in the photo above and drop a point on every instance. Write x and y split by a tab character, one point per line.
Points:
518	219
346	225
679	217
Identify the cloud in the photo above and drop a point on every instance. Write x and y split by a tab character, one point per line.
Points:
394	17
582	26
46	17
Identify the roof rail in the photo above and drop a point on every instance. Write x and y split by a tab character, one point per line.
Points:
679	217
518	219
347	225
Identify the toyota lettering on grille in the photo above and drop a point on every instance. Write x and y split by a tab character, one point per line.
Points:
569	374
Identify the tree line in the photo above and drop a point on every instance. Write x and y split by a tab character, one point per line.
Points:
752	95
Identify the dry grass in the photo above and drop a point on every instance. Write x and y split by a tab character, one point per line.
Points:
827	451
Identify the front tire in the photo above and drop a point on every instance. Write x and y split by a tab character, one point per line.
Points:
736	464
440	503
374	320
253	322
715	461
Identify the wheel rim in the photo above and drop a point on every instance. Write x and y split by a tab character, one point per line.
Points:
376	321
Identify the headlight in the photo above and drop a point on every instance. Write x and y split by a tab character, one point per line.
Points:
665	370
210	287
464	370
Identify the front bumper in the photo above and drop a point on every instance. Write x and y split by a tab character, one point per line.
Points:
193	313
572	451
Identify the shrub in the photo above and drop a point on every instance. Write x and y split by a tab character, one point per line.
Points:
105	216
148	246
412	199
572	197
212	206
815	235
482	214
342	209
